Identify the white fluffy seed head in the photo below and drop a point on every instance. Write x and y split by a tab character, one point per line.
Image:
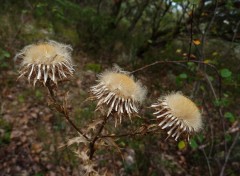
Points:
123	85
47	53
118	92
183	108
178	115
46	60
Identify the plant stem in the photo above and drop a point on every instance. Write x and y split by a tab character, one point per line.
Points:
92	143
62	109
136	132
228	153
185	61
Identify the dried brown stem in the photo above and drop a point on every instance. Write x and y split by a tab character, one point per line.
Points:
185	61
92	143
60	108
131	134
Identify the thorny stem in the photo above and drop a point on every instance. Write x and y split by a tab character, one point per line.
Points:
50	89
62	109
185	61
92	143
141	131
136	132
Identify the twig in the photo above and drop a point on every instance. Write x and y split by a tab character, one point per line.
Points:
211	128
208	164
210	85
191	34
232	40
185	61
138	15
92	143
136	132
228	154
212	141
235	31
62	109
205	32
99	6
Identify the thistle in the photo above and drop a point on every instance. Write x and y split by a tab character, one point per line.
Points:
178	115
46	60
119	93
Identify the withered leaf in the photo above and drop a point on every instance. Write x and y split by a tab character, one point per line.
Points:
111	142
196	42
94	124
77	140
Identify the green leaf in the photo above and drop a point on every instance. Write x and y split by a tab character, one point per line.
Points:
6	54
181	145
193	144
225	73
190	64
229	116
228	137
223	102
93	67
183	76
200	137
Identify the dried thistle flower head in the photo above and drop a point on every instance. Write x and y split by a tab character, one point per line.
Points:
178	114
46	60
119	93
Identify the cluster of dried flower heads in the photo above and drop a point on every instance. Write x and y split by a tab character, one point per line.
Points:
117	92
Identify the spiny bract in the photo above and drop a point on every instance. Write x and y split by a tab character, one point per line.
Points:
119	92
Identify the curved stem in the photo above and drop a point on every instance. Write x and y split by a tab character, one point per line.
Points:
62	109
228	153
185	61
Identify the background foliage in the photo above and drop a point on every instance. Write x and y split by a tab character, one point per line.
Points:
130	33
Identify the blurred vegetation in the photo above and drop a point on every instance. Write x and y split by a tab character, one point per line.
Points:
133	33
